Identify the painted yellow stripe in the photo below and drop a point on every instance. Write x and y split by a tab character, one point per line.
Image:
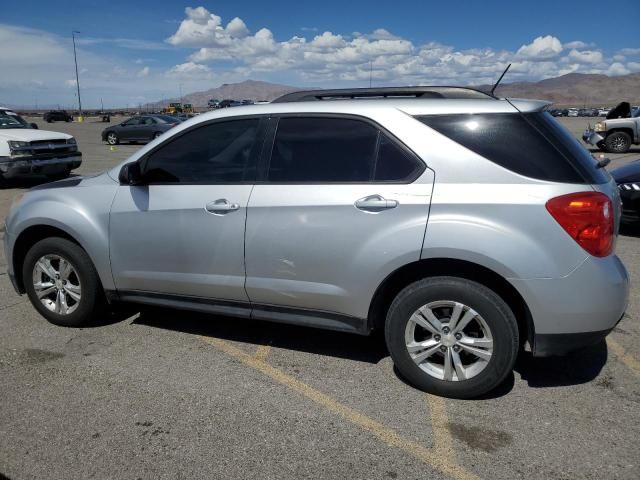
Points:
387	435
442	440
262	352
624	356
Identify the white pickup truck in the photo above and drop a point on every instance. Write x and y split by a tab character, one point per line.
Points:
25	150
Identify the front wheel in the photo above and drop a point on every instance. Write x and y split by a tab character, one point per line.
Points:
452	337
618	142
62	283
112	138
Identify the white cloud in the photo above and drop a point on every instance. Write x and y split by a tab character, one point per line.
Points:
617	69
576	44
541	48
202	28
144	72
632	52
585	56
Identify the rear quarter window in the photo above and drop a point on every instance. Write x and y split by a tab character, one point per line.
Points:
532	144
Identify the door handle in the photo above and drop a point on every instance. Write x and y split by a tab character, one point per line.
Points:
375	203
221	207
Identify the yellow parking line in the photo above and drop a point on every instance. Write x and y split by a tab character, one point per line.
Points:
262	352
624	356
387	435
442	440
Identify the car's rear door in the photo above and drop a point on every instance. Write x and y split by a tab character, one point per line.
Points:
182	231
342	203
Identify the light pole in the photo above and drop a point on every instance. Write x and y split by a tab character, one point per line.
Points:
75	59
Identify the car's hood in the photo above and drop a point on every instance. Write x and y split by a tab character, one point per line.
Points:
622	110
627	173
29	134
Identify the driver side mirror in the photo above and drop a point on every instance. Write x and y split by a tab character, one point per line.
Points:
130	174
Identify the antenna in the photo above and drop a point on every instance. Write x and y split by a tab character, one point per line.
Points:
495	85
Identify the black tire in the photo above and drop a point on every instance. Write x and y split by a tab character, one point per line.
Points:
112	138
92	301
495	312
156	135
602	146
618	142
3	182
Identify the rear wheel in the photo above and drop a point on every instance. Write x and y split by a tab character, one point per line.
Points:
156	135
452	337
62	283
618	142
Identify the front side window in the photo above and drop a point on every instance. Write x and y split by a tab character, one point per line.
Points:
216	153
336	150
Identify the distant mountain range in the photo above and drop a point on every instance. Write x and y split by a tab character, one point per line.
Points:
577	89
573	89
248	90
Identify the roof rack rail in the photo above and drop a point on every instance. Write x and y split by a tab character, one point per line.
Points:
386	92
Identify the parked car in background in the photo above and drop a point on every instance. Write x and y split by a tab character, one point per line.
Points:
573	112
618	132
213	103
602	112
229	103
357	214
25	150
57	116
628	179
559	112
143	128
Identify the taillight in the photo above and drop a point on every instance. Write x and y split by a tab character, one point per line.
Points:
588	219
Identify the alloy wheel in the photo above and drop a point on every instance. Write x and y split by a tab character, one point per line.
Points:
449	340
57	284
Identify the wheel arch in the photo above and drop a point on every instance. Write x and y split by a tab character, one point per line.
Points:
432	267
627	130
27	239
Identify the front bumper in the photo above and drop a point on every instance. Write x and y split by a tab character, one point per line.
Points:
575	310
16	166
592	137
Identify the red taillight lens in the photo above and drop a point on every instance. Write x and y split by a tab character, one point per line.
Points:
588	218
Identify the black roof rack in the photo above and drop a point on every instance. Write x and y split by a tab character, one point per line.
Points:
386	92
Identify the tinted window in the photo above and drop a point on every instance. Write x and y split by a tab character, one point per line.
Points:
531	144
394	163
132	121
323	150
215	153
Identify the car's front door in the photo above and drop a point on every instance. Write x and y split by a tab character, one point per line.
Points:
129	129
182	231
341	206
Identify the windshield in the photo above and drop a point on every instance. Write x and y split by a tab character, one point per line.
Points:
11	120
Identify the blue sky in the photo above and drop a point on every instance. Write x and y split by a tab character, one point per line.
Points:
138	51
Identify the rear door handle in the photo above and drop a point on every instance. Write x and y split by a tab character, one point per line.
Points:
221	207
375	203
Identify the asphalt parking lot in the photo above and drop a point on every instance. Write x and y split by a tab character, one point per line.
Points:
177	395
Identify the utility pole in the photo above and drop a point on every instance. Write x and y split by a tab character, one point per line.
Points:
75	59
370	72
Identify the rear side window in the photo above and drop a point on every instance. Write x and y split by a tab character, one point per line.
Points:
532	144
220	152
337	150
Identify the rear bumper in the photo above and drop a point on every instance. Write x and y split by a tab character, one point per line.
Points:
32	166
550	344
578	309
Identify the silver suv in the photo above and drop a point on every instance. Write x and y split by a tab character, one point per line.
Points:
464	226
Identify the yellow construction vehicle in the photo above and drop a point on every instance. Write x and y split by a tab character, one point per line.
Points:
187	108
173	109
